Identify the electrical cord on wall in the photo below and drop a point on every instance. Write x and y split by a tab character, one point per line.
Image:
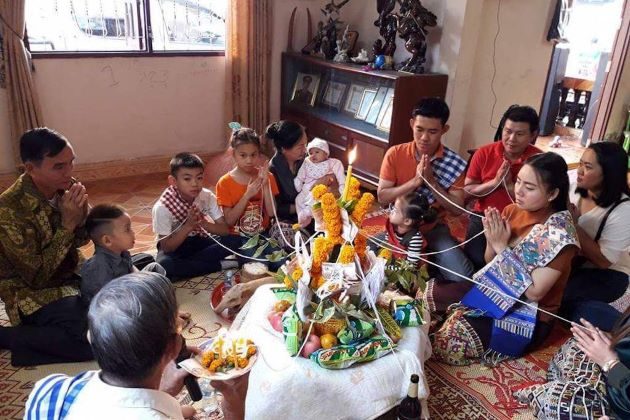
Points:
494	64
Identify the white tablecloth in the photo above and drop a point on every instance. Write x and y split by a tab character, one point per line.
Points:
282	387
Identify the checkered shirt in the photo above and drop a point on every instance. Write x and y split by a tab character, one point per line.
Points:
446	170
178	207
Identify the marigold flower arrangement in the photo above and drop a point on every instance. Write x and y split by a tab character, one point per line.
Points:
354	190
362	208
318	191
346	254
338	302
360	246
332	217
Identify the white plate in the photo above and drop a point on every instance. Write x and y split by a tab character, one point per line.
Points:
195	368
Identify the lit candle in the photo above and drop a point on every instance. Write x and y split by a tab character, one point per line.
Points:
351	157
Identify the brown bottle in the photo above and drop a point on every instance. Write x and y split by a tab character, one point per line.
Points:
409	408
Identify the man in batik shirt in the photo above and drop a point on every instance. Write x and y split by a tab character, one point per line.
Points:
41	227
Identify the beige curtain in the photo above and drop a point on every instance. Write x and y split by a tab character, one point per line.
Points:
248	61
24	109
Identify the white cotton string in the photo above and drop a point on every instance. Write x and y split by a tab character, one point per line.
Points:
507	190
378	317
486	194
447	199
392	248
275	214
234	252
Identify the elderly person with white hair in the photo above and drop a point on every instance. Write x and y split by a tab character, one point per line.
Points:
135	336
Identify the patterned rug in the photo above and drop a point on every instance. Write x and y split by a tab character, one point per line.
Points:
192	295
472	392
479	392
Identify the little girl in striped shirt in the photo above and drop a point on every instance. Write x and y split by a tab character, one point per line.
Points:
406	216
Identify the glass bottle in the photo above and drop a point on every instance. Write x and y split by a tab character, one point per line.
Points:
409	408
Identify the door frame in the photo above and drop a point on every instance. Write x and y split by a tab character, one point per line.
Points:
618	56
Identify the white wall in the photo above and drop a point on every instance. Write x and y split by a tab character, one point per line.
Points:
280	30
522	61
118	108
461	46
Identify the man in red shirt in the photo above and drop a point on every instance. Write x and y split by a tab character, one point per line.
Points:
493	170
405	168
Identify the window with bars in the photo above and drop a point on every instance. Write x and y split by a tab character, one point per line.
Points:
125	26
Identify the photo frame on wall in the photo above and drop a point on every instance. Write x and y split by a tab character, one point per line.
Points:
385	117
334	93
388	98
305	89
353	100
377	104
366	101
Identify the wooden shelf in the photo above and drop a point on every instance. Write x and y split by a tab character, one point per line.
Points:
340	128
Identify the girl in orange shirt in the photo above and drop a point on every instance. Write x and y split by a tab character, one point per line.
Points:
246	193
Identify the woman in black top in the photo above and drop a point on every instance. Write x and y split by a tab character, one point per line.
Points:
290	140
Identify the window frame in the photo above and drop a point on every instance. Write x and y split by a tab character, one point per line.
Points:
145	40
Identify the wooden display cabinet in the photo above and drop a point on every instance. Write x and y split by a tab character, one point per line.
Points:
338	96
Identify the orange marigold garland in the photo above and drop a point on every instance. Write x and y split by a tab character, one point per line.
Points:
360	245
346	254
332	217
354	190
318	191
385	254
321	249
362	208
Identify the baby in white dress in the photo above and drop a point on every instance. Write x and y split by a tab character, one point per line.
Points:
315	166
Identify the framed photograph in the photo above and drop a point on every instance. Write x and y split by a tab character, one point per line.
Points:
333	96
305	89
366	101
353	101
385	117
377	104
388	98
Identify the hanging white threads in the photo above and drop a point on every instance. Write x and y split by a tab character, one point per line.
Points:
376	314
275	215
448	200
402	251
486	194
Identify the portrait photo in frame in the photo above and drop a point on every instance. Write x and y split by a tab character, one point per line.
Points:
388	98
334	93
377	104
385	117
366	101
353	101
305	89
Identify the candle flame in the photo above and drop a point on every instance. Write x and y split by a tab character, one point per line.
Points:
352	155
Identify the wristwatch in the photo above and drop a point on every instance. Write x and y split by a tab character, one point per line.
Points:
609	365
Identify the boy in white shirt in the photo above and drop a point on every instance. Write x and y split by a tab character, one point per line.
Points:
184	217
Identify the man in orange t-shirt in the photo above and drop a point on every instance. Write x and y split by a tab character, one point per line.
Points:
406	167
493	170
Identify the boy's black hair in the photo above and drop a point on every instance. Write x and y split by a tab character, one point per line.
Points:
38	143
418	209
99	220
185	160
432	107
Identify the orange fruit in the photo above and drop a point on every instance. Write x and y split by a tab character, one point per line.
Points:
328	341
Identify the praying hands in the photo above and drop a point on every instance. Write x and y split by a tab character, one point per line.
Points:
497	229
595	343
